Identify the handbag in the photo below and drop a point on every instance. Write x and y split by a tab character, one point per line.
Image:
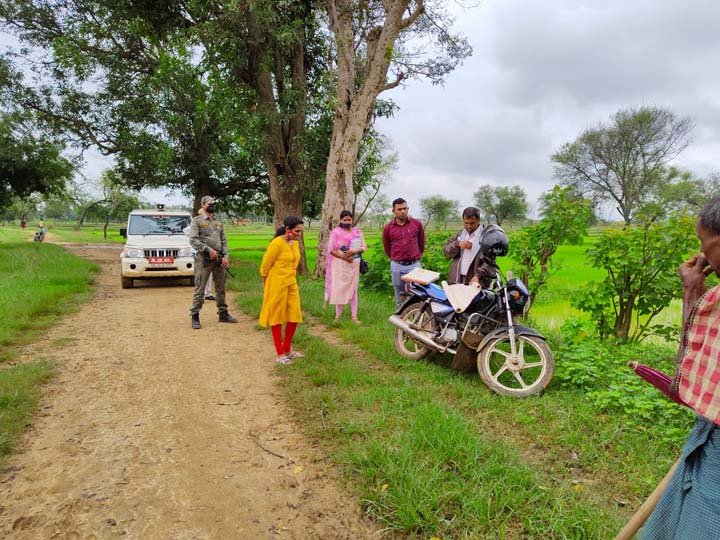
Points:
364	266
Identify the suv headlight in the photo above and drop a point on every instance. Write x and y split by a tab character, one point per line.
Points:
186	252
132	253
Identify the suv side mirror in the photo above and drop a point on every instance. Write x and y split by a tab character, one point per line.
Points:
123	232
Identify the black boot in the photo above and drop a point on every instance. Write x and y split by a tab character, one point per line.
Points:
224	316
196	321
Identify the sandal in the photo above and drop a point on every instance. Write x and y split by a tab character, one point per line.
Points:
295	354
356	320
283	359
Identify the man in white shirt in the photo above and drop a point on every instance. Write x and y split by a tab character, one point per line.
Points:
464	248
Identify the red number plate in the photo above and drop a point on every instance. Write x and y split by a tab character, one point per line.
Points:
161	260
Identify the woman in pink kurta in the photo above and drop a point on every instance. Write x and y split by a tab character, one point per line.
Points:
342	267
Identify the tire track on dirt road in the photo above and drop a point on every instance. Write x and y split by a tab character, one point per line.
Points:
153	430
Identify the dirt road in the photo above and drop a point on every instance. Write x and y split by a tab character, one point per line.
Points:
153	430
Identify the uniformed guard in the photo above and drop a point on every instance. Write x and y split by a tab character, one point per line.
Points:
207	236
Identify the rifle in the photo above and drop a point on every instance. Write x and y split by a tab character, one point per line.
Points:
218	261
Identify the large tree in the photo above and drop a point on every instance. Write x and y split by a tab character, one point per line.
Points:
29	162
269	57
438	209
624	162
169	119
378	44
501	203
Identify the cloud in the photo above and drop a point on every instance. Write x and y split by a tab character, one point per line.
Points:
542	73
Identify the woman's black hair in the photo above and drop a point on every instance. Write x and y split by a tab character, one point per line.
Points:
289	222
345	213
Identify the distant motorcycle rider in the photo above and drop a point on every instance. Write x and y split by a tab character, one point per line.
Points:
207	237
40	235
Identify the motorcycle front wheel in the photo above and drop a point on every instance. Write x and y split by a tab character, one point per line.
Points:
526	373
424	323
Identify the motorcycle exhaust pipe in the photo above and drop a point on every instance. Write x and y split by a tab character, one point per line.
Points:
417	336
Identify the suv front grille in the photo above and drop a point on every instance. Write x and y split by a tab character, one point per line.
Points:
161	253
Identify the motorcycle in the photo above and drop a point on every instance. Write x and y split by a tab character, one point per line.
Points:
512	359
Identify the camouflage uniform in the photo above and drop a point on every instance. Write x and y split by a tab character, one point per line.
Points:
208	232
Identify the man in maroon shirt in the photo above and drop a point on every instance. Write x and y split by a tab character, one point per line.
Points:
404	242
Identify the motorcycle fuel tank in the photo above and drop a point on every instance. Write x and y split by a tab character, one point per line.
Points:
441	309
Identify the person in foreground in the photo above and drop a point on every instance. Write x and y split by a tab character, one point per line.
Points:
281	295
404	242
207	237
690	505
342	266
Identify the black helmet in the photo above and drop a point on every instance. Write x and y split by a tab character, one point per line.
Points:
493	241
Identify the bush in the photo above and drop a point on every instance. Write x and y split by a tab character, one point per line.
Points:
378	277
641	276
599	368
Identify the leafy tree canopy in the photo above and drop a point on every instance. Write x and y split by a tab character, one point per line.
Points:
29	163
169	119
501	203
438	209
625	162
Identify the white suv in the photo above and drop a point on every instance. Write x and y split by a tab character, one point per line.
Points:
156	246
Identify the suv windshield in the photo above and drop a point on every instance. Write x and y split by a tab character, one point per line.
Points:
158	224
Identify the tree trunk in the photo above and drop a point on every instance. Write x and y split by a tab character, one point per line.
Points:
621	329
84	213
282	135
355	102
339	189
202	186
287	200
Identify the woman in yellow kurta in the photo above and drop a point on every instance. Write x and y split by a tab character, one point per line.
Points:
281	295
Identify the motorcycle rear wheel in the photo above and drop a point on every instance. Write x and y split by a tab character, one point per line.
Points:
405	345
526	374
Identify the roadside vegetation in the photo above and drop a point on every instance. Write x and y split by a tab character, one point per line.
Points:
432	452
428	451
38	284
70	233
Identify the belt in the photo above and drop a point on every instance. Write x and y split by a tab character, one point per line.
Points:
406	263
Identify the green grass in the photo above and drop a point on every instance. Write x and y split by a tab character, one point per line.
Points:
432	452
14	235
427	451
38	284
19	394
552	305
91	234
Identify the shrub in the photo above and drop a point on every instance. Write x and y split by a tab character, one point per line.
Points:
641	276
599	368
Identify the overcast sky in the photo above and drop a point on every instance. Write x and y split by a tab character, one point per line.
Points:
540	74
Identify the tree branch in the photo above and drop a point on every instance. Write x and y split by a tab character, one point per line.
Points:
419	10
